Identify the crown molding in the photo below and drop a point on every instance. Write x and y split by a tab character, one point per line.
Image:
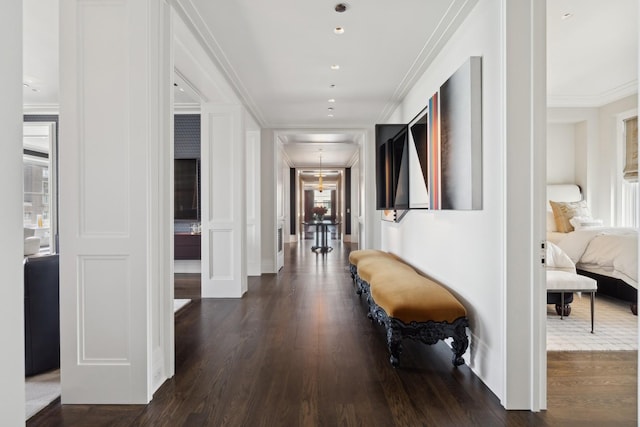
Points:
457	12
590	101
41	109
187	108
196	23
352	161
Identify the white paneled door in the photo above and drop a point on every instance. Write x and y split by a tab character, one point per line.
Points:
224	221
115	220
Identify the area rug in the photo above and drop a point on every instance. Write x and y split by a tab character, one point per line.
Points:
41	390
616	328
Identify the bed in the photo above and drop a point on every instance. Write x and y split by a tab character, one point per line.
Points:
607	254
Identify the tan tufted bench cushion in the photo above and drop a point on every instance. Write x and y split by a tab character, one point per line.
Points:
368	268
408	304
360	254
411	297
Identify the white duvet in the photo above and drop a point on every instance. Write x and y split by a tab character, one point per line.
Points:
604	250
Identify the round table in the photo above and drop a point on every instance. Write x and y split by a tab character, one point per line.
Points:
321	235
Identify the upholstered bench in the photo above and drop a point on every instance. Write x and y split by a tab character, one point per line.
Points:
408	304
563	282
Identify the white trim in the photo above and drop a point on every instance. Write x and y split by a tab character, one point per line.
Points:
191	108
194	21
457	12
12	391
41	109
597	100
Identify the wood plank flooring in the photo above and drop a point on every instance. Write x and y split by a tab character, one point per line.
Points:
187	286
298	350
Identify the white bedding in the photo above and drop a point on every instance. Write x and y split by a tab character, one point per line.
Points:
603	250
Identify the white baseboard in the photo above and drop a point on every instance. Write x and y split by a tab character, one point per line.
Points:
187	266
268	266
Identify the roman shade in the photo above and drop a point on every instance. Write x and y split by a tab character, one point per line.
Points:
631	149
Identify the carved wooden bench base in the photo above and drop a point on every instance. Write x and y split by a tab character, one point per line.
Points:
426	332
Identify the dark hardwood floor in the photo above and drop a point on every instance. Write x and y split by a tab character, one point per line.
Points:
298	350
187	286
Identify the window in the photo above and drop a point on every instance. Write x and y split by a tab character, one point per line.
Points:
39	185
627	200
323	198
36	192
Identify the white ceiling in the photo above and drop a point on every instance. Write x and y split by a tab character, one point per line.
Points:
277	55
592	56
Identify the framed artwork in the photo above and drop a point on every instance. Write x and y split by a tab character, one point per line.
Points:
418	164
454	141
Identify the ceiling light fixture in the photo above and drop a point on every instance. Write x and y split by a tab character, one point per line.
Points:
335	67
566	15
25	84
329	115
340	7
331	100
330	108
332	86
338	30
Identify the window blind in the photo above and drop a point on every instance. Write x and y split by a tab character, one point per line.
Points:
631	149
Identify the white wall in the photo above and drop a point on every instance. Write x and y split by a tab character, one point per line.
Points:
11	244
594	130
482	256
355	200
440	243
254	260
268	201
607	149
369	230
114	212
561	154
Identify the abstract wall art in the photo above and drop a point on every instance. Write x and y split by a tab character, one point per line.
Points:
457	139
445	145
435	161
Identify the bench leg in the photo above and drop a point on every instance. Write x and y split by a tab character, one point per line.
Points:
593	297
394	342
460	343
358	286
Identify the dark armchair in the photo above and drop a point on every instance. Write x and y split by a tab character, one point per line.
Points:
41	314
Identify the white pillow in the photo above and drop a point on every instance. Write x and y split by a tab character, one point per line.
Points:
585	222
564	211
557	259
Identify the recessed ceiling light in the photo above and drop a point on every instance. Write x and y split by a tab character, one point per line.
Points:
330	108
181	89
35	90
566	15
25	84
329	115
335	67
331	100
340	7
338	30
332	86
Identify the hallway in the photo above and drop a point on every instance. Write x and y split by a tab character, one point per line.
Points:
298	350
